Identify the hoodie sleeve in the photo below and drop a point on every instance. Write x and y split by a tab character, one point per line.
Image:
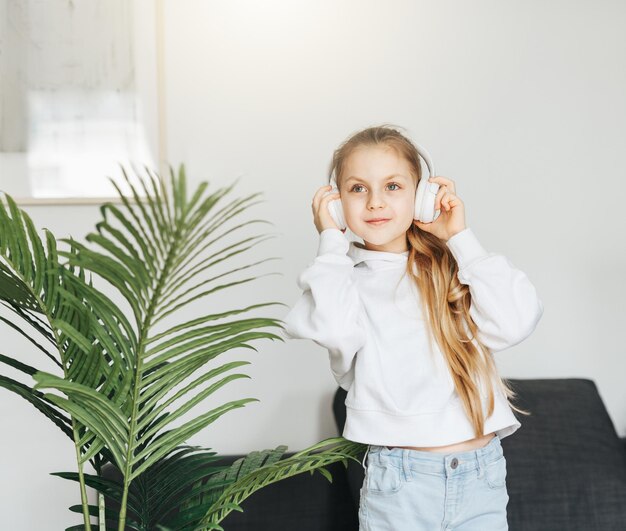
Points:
330	311
505	305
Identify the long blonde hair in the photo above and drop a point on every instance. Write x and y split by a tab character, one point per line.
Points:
445	300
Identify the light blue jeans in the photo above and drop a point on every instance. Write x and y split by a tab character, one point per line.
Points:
411	490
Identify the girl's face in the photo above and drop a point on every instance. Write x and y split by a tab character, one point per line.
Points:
377	183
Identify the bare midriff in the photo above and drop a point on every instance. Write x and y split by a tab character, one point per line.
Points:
463	446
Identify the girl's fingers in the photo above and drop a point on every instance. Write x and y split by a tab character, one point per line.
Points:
318	199
444	203
445	186
440	193
330	197
318	195
449	183
450	200
439	178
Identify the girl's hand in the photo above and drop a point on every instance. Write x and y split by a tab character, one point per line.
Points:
451	219
321	215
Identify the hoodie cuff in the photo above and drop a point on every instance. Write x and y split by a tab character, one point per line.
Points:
466	248
333	241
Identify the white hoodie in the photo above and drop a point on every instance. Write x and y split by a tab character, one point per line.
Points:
362	306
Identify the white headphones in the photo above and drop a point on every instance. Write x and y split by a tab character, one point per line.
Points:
424	196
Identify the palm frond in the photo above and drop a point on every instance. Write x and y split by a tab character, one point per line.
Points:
250	474
37	399
154	252
49	297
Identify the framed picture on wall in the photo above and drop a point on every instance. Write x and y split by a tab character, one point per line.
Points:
79	97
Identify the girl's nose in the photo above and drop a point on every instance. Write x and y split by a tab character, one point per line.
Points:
375	202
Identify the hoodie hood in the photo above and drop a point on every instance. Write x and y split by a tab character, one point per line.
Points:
376	259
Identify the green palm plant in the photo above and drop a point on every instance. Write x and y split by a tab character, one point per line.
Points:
128	371
186	492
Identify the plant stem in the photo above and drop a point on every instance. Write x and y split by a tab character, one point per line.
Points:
101	513
81	477
133	426
154	302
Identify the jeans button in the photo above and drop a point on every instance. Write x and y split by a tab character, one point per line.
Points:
454	463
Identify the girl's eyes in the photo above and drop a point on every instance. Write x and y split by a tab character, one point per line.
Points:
359	185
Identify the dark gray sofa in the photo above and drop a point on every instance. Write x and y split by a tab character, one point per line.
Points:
566	471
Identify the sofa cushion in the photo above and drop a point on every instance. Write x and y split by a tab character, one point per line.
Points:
566	466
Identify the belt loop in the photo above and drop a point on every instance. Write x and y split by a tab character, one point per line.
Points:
405	464
365	457
480	462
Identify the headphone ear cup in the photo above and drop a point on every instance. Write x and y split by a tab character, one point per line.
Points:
335	207
425	196
426	192
336	212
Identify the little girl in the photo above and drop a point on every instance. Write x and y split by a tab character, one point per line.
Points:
431	412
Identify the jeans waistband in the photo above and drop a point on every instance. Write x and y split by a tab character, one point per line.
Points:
438	461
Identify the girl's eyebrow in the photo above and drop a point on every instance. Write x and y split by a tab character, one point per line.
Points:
397	175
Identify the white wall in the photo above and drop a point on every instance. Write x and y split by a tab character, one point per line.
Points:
521	103
77	95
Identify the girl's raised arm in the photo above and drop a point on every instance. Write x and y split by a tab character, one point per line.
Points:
330	311
505	304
